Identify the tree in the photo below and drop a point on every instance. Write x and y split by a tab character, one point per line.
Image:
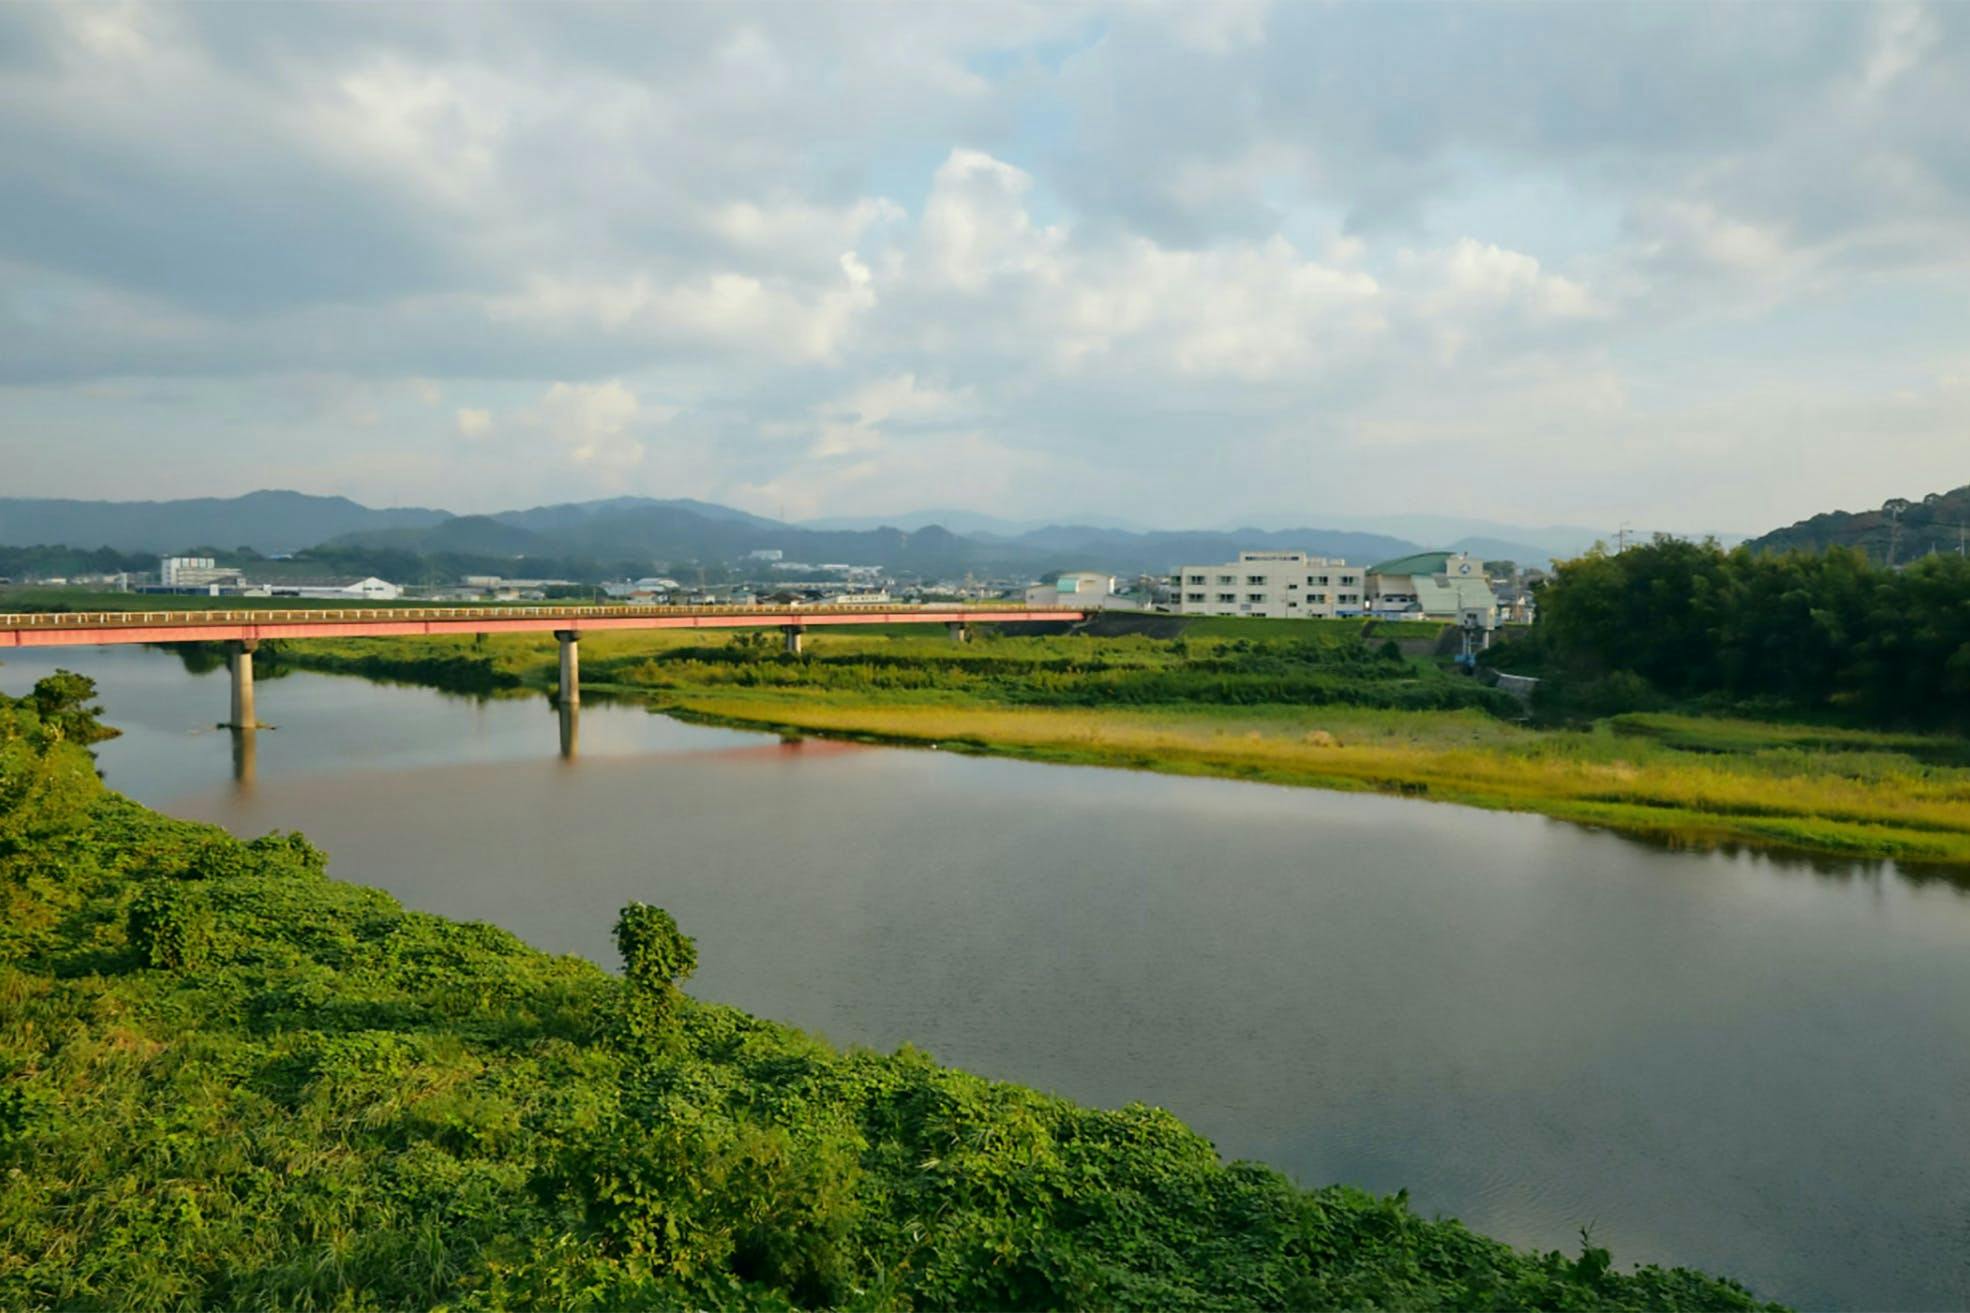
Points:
62	701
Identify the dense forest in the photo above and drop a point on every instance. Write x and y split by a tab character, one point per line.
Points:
1795	632
49	562
227	1080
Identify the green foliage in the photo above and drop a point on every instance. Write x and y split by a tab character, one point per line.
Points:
1298	663
1805	632
229	1082
62	702
170	927
657	957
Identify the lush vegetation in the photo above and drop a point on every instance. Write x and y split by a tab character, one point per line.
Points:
1291	702
48	562
227	1080
1823	634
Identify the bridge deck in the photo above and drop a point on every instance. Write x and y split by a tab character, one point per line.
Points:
60	629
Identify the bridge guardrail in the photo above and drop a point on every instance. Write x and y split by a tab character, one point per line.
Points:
355	615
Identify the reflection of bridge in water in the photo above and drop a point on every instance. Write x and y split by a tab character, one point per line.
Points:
242	631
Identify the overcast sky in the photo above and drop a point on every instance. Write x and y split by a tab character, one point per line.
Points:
1688	266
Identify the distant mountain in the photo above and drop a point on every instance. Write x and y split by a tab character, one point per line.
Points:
574	515
1159	552
1938	522
464	535
628	532
268	522
975	524
1504	549
1489	538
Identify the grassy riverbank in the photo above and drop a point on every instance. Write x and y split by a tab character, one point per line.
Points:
1295	702
230	1081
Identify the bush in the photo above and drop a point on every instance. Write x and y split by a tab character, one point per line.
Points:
657	957
170	927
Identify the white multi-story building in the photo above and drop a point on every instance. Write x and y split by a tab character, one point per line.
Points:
1273	585
193	572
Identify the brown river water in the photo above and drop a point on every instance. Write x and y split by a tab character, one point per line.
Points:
1756	1066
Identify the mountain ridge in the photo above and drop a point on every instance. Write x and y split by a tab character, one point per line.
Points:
275	522
1936	522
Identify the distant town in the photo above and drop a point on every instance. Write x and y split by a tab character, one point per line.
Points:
1448	586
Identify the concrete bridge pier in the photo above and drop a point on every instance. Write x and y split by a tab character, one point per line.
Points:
239	660
960	631
570	713
246	759
793	633
570	666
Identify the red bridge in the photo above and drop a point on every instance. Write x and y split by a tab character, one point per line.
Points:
242	630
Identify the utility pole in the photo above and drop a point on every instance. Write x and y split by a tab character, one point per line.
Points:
1894	507
1621	538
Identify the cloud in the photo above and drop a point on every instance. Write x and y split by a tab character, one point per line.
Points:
1045	253
594	423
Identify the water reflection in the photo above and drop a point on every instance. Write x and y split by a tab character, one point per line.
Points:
246	758
570	717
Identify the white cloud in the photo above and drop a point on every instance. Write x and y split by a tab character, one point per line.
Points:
595	425
962	252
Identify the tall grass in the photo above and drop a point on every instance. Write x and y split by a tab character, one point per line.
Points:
1292	702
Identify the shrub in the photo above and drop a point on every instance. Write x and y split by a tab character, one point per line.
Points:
170	927
656	958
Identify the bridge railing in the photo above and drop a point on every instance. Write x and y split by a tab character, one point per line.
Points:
354	615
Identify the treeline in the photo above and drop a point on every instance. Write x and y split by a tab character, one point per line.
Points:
395	564
1796	632
53	561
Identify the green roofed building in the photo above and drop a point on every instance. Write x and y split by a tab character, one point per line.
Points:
1433	586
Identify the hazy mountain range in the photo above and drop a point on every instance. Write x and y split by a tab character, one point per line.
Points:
643	529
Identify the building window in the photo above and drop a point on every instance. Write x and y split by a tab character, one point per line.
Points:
1255	579
1322	580
1227	578
1317	597
1193	597
1255	597
1227	597
1293	587
1196	578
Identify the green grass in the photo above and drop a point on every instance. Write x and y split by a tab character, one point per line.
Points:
1291	702
232	1082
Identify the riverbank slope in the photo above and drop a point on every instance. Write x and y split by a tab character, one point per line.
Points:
232	1081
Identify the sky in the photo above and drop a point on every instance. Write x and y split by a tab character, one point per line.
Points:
1690	267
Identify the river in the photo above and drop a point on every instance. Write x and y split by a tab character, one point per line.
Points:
1755	1066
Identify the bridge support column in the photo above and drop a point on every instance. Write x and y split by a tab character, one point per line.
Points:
960	631
246	758
793	633
570	666
570	713
239	660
